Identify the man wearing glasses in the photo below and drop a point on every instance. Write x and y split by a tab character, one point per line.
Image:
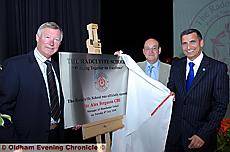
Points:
153	67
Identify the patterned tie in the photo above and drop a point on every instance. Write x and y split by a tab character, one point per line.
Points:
190	76
150	67
55	108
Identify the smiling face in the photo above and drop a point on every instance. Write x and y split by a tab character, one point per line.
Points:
192	45
151	50
48	41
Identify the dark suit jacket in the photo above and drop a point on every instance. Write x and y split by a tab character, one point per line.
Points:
23	96
200	110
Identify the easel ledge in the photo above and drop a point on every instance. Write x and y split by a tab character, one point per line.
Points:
101	127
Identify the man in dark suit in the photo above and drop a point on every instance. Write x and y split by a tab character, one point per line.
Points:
25	94
201	97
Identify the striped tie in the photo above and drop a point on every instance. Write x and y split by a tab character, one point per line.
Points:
55	108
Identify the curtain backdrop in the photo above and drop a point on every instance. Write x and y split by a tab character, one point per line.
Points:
20	20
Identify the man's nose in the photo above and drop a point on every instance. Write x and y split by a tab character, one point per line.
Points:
188	46
52	42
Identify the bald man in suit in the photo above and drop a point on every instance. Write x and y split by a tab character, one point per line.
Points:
153	67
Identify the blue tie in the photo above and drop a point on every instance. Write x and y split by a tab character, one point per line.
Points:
190	76
150	67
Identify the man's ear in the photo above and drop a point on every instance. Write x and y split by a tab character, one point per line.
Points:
159	50
37	38
144	51
202	43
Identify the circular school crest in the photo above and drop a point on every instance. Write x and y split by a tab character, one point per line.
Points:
220	44
101	82
213	20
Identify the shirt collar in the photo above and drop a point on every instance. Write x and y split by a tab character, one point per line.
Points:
156	64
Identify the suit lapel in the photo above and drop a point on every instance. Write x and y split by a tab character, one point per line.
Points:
182	78
143	65
161	73
34	65
37	74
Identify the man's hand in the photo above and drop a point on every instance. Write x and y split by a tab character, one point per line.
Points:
76	127
196	142
172	94
118	53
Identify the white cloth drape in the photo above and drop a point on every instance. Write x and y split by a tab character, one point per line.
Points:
143	132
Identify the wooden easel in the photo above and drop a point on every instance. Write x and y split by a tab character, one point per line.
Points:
93	43
107	125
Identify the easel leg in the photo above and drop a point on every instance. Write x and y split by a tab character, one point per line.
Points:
108	142
98	139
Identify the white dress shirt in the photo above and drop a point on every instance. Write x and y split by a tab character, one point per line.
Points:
41	62
197	62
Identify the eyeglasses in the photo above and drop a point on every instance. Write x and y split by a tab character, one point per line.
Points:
151	49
